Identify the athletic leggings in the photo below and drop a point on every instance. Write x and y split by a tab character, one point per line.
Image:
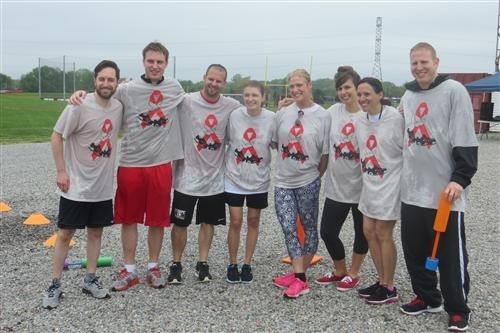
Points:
290	203
334	216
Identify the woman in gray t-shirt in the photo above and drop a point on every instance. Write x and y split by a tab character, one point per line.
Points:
247	175
380	139
302	137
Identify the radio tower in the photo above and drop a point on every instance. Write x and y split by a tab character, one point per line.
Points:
497	58
377	68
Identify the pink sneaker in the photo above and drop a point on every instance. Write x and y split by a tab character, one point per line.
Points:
284	281
329	278
297	288
348	283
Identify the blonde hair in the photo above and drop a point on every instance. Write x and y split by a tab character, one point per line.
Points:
425	46
300	73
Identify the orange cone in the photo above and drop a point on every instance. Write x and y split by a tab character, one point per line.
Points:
51	241
36	219
302	239
4	207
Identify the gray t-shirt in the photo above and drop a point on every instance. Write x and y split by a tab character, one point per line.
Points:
300	145
90	133
436	121
203	125
151	126
248	156
381	152
343	176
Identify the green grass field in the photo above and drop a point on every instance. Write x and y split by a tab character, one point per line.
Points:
26	118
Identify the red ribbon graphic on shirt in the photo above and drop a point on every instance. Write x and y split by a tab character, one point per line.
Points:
103	147
296	131
376	169
156	97
425	138
155	117
241	155
348	130
210	140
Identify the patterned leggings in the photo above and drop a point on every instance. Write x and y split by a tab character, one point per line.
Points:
303	201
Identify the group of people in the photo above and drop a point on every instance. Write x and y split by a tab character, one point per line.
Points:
382	164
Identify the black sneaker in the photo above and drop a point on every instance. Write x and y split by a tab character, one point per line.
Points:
246	273
233	276
418	306
175	275
202	272
382	296
368	291
458	322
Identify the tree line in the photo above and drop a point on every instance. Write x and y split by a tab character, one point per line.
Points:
82	79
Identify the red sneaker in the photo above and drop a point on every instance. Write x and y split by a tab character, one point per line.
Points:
348	283
284	281
125	280
297	288
329	278
154	278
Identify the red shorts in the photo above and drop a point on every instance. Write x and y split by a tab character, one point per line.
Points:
143	195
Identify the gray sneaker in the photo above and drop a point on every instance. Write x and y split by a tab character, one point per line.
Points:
95	288
51	296
125	280
154	278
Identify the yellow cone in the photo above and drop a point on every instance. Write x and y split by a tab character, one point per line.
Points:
4	207
51	241
36	219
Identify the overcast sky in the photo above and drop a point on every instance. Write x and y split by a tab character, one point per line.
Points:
241	35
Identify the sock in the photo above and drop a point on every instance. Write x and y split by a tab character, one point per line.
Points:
301	276
389	287
56	282
89	277
130	268
152	265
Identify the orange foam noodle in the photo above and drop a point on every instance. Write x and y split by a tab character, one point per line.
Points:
301	235
443	213
51	241
4	207
315	260
36	219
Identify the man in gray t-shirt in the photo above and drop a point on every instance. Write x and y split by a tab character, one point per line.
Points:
151	142
84	149
439	157
199	177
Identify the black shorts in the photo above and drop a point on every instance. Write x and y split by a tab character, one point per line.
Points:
82	214
209	209
257	201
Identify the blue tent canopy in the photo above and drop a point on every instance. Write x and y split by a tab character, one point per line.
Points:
487	84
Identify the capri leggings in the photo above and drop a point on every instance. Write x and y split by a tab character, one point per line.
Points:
302	201
334	216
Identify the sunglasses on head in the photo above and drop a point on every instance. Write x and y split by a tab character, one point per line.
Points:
300	115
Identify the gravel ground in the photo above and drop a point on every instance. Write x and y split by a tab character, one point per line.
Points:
27	185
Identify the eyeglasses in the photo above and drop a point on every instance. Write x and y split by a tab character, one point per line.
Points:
300	115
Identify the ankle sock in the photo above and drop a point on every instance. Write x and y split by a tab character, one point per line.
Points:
152	265
301	276
389	287
56	282
89	277
130	268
